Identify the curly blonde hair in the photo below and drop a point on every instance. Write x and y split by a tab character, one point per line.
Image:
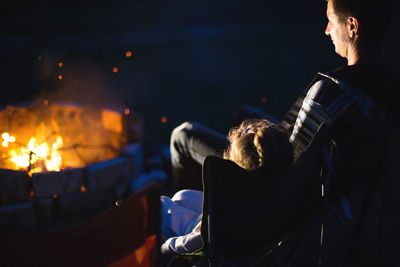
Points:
259	143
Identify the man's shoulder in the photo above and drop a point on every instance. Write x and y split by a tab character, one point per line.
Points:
369	88
362	76
377	82
324	88
339	72
330	78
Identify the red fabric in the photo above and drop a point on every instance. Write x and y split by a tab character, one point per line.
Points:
142	257
104	239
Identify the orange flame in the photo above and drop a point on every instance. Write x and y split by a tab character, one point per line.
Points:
36	157
7	139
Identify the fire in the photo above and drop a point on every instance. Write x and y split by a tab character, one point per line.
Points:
7	139
49	136
35	156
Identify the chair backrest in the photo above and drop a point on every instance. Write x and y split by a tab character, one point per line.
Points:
364	231
390	193
123	235
245	212
361	227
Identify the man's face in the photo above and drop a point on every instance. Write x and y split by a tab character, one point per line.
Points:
337	30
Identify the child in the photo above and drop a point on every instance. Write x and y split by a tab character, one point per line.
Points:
255	143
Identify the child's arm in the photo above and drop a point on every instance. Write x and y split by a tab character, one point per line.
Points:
184	244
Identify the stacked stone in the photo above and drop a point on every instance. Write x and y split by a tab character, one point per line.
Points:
29	202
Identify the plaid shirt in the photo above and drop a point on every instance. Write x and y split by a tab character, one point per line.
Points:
324	101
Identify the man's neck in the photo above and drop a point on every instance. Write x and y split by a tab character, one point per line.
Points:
368	56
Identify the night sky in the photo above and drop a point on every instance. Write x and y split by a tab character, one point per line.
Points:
191	60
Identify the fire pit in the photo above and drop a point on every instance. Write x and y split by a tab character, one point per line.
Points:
62	160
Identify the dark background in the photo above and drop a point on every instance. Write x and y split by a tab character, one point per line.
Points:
192	60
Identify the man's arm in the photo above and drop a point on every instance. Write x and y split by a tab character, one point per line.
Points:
322	103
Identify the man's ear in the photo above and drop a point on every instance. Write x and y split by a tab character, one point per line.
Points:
352	27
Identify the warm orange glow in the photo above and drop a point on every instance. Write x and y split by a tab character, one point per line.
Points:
60	77
83	188
60	64
127	111
7	139
128	53
39	156
264	100
115	69
52	137
163	119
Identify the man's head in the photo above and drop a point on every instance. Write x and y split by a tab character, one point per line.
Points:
355	24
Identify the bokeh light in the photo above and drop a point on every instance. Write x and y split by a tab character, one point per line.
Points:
128	54
263	100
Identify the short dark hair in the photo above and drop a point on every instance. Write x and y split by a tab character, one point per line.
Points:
374	16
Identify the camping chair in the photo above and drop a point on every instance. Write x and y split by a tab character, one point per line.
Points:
362	228
248	213
124	235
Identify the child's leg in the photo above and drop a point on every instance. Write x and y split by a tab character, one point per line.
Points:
191	199
175	219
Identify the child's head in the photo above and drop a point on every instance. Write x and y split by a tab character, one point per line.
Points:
257	143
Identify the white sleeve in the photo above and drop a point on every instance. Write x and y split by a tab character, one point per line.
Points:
184	244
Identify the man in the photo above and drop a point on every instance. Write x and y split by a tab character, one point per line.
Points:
357	29
356	101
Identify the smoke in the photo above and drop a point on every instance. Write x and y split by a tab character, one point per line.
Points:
77	79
